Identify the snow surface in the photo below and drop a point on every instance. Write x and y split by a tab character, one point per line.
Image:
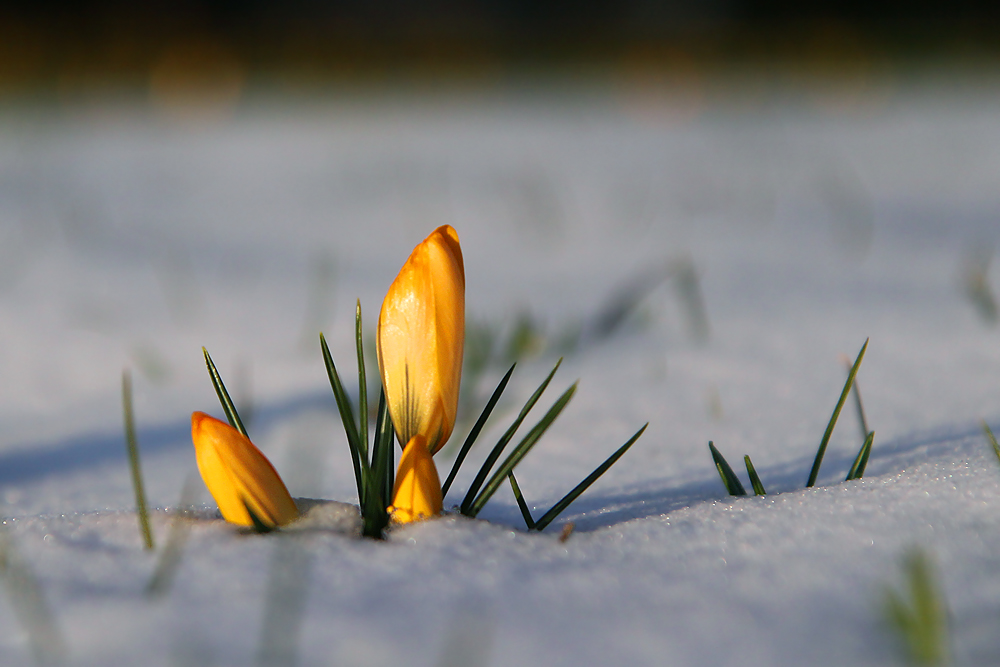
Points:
129	240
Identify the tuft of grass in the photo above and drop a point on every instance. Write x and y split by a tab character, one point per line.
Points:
833	418
729	479
374	475
918	614
758	487
520	451
991	438
474	433
857	470
132	445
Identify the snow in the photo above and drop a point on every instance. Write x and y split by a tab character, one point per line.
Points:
129	240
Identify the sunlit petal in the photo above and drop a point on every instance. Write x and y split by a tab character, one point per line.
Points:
421	338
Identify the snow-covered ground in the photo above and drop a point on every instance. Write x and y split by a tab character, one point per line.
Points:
130	240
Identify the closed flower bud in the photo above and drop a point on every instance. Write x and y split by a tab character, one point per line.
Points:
416	495
421	338
238	476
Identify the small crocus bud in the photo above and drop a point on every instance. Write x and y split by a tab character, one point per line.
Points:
421	337
238	476
416	494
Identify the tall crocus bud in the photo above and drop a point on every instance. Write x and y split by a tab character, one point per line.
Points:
238	475
421	336
416	494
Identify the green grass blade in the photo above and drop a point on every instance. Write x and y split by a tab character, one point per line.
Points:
857	470
523	506
382	452
814	473
362	385
758	487
132	444
346	416
860	407
220	388
474	433
729	479
992	439
520	452
494	454
558	508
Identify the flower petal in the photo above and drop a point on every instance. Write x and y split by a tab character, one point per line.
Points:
421	339
238	476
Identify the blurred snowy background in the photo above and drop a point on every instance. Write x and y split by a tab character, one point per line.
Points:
714	229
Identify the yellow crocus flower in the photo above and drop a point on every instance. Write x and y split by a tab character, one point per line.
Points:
238	475
421	338
416	494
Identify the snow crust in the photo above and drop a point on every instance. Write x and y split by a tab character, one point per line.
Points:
131	241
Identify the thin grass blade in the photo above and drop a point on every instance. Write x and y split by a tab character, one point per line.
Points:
132	444
520	452
857	468
992	438
494	454
758	487
474	433
362	385
558	508
346	415
523	506
729	478
814	473
382	451
227	403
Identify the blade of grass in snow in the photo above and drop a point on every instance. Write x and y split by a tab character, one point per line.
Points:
520	452
833	418
362	384
474	433
180	526
857	470
258	524
919	614
346	415
523	506
494	454
992	439
220	388
382	474
26	599
132	444
859	405
558	508
758	488
729	479
284	606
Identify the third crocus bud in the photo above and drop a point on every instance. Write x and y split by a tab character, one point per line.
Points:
416	494
238	476
421	338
